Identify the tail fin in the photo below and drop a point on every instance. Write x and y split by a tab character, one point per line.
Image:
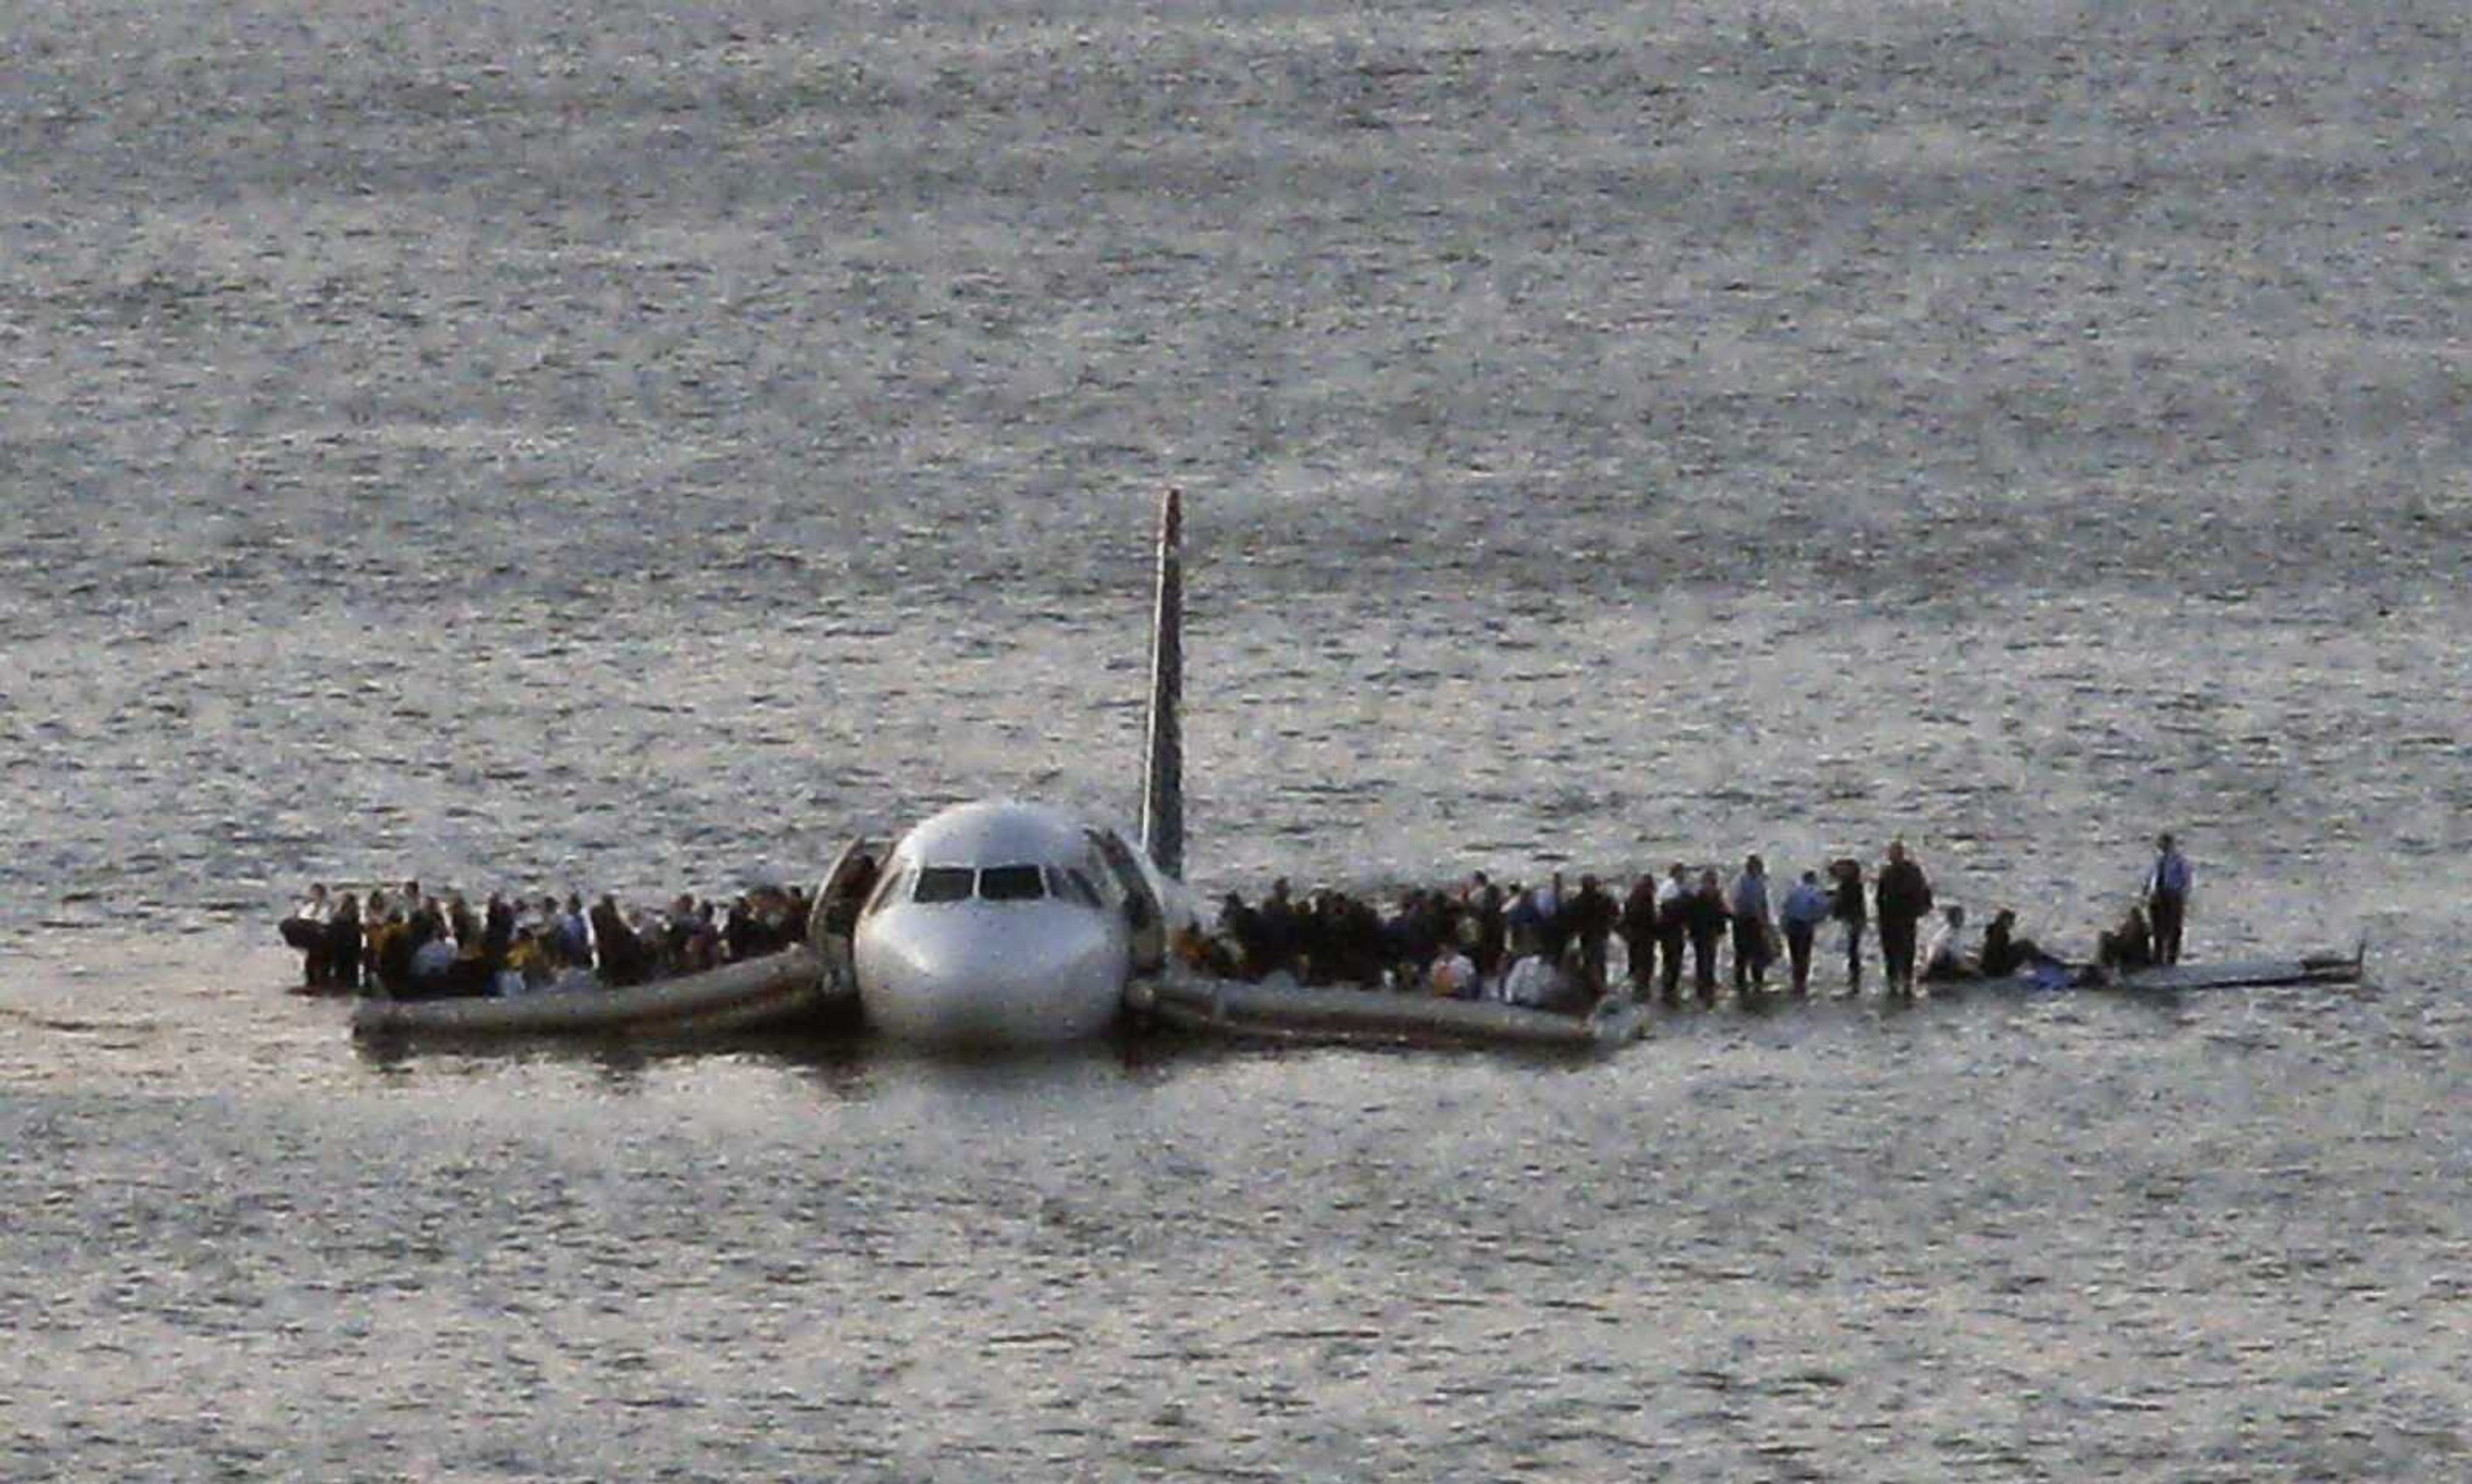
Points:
1163	774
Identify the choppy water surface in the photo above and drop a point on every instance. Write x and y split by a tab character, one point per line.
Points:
633	448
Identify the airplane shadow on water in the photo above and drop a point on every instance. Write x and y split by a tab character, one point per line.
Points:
844	1060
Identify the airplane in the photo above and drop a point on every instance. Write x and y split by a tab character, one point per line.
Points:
1006	923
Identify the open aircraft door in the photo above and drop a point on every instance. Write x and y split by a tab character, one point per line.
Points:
1144	918
834	916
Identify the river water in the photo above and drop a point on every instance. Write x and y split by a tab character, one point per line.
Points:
627	448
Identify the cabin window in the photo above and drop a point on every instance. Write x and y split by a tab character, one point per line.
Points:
1011	883
943	884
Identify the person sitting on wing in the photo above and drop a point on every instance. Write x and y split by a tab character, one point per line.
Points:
2005	953
2129	946
1945	957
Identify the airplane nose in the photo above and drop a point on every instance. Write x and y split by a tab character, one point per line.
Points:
1002	977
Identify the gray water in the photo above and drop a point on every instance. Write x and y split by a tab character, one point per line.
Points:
624	448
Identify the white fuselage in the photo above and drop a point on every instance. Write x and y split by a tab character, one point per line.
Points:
1001	923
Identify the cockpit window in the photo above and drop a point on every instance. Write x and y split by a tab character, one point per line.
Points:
1011	883
1066	885
943	884
893	888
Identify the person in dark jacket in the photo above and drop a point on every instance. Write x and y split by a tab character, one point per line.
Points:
742	936
1279	929
2131	946
1845	904
622	953
1242	928
459	921
1705	916
1590	915
1492	932
849	896
1639	934
497	932
1903	899
2004	952
1553	921
344	946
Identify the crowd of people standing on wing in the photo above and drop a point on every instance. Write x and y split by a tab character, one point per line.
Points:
415	946
1549	944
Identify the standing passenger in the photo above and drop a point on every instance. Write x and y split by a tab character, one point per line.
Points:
1639	934
1904	898
1673	927
2167	899
575	933
1845	904
1748	908
391	956
1524	921
1242	929
497	932
465	926
344	946
1553	921
1805	908
306	930
622	952
1493	933
1590	916
375	913
1704	910
1278	927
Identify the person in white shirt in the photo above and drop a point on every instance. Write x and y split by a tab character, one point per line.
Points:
1453	976
575	933
433	965
1532	981
1944	957
1672	929
306	930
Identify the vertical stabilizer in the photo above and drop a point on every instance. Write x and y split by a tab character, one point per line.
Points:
1163	771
